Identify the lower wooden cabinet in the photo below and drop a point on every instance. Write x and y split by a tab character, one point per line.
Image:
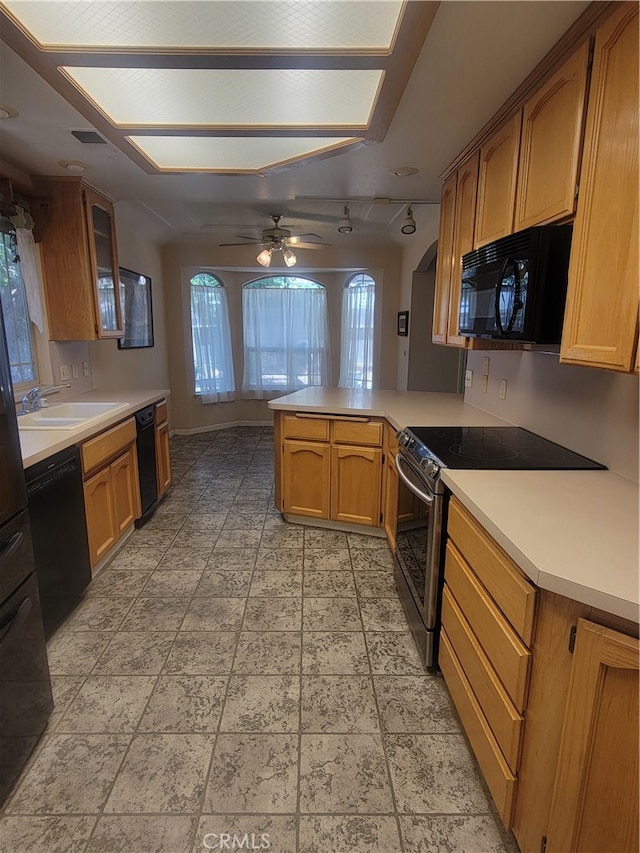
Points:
163	457
306	478
356	475
111	487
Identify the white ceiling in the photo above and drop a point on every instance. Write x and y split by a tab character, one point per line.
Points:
475	55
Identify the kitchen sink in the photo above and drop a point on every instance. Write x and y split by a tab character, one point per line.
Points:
68	415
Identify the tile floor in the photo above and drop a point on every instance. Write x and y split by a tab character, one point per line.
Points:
230	674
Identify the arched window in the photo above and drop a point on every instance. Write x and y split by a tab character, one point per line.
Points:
357	338
286	337
212	360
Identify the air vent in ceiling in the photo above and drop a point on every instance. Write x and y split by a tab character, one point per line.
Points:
88	137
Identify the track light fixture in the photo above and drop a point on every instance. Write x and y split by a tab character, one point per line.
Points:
345	226
408	223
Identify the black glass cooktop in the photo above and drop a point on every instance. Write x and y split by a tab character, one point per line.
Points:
497	448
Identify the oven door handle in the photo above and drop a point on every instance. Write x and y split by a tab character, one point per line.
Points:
424	496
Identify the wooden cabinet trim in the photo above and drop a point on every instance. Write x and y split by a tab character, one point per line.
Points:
102	448
509	657
497	774
445	260
503	579
504	720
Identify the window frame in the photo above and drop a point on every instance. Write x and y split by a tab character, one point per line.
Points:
350	285
229	392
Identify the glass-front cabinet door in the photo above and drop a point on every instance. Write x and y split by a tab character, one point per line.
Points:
102	247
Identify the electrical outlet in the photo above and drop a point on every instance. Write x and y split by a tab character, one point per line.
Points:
85	368
503	389
64	372
468	378
485	383
75	372
485	365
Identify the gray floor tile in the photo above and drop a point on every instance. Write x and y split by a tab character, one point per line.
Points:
343	774
162	773
252	773
108	703
268	653
239	539
156	614
317	537
338	703
327	559
124	583
181	584
415	704
372	584
435	774
75	653
331	614
224	583
383	614
60	834
276	584
371	559
477	833
232	559
290	536
273	614
143	834
393	653
185	703
262	703
280	559
97	613
328	584
188	557
135	653
334	653
201	653
267	832
353	833
137	558
214	614
71	775
64	689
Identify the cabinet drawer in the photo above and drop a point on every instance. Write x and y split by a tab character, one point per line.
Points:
357	432
299	426
161	412
108	444
508	656
504	720
513	594
499	778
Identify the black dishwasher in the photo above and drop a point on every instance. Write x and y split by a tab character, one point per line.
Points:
59	532
146	450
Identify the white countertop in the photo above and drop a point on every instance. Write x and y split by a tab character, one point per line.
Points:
574	533
400	408
36	445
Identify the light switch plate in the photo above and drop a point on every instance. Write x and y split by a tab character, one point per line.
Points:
503	389
64	372
75	372
468	378
485	365
85	368
485	383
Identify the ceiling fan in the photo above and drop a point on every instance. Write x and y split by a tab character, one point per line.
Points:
278	239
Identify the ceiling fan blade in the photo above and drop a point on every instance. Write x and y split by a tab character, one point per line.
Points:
303	237
302	245
253	243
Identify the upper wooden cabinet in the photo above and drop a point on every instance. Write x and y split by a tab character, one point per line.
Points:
550	145
80	262
457	220
497	183
601	316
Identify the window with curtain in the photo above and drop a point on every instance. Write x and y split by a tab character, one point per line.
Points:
211	337
14	309
357	339
286	336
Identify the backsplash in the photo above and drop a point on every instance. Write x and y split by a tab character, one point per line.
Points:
66	354
591	411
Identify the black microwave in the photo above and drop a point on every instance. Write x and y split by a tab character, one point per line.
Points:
515	288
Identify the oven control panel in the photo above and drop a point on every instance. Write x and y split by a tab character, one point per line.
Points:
427	461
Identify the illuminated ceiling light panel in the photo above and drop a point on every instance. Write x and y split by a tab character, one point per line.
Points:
236	98
230	154
341	25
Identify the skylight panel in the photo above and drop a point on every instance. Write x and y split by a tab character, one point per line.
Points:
229	154
235	98
328	25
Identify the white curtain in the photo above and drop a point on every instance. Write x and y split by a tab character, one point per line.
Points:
357	341
30	275
286	340
212	358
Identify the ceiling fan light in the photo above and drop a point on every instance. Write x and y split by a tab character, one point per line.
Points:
408	223
264	258
345	226
290	258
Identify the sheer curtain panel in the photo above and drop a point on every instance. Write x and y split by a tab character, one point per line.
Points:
357	339
212	358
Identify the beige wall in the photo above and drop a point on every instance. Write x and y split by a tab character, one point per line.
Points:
237	266
591	411
111	367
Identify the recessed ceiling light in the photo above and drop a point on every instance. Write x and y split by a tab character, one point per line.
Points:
72	165
8	112
404	171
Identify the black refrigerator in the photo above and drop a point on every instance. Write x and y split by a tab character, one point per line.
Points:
25	688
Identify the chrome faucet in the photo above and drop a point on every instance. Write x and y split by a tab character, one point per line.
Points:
32	400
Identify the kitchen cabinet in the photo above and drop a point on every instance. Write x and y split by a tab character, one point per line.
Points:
457	218
79	262
601	315
497	174
163	452
331	468
488	611
595	796
111	487
551	144
578	783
